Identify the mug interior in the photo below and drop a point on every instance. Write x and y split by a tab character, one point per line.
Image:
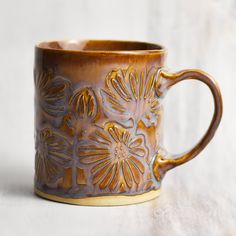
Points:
100	45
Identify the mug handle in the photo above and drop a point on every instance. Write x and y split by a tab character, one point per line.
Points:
163	160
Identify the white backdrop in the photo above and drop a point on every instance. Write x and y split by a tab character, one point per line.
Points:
198	198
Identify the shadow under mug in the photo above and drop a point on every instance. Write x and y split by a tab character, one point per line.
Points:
98	121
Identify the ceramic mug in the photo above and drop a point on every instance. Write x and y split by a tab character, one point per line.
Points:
98	121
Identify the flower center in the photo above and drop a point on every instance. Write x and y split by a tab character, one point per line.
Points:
121	151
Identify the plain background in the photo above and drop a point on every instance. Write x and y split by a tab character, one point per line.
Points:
198	198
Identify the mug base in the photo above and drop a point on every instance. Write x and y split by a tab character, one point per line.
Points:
102	200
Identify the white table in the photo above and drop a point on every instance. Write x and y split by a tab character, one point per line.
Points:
193	201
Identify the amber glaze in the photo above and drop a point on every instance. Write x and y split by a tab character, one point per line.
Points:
98	120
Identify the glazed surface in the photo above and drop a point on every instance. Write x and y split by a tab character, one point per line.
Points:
97	123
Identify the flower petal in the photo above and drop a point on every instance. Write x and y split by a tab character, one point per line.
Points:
112	104
39	167
148	185
138	151
127	174
93	159
118	133
133	85
86	146
141	84
57	91
150	84
59	157
138	163
103	136
135	142
58	148
53	110
51	169
100	165
91	106
115	178
135	171
124	94
121	81
42	79
126	136
81	107
113	134
53	93
84	103
93	152
102	173
107	178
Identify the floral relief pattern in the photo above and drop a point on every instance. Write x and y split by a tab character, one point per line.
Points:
116	157
130	95
83	112
95	131
52	152
51	93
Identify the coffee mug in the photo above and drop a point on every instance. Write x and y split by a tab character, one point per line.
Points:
98	121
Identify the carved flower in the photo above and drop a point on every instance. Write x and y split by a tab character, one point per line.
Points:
116	157
83	111
51	93
52	152
130	96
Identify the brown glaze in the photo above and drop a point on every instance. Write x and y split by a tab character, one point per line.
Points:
98	121
163	161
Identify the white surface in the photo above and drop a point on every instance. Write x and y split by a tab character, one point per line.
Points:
198	198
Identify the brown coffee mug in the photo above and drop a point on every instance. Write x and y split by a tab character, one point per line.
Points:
98	121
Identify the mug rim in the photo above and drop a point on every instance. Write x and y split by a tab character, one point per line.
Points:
57	46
